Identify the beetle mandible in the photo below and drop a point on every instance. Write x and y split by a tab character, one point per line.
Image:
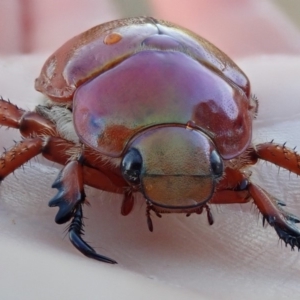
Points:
143	105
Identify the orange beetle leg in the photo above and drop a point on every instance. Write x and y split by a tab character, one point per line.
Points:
69	199
235	188
232	188
10	114
99	180
230	197
60	151
270	207
29	123
19	155
69	183
283	222
280	156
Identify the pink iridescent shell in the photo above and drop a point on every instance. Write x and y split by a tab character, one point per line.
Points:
125	76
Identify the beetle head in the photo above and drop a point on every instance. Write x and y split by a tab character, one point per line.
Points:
174	167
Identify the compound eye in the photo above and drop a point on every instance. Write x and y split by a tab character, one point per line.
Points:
131	166
216	164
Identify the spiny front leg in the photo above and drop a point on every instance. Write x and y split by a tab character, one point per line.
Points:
270	207
69	183
29	123
282	221
10	114
69	199
279	155
236	188
19	154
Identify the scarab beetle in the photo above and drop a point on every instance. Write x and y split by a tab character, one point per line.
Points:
141	105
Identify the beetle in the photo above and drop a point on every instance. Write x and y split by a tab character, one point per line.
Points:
141	105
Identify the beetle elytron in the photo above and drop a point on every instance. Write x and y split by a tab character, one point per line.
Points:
143	105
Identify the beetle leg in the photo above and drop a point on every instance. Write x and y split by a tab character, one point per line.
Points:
61	151
282	221
127	203
10	114
270	207
69	199
69	183
75	232
19	154
279	155
230	197
232	188
235	188
29	123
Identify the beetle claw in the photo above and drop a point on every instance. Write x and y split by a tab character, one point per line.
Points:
75	232
285	228
66	209
65	204
289	234
287	231
70	192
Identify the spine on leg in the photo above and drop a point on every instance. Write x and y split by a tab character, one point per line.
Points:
18	155
10	114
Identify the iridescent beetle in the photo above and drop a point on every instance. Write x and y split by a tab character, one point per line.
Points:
143	105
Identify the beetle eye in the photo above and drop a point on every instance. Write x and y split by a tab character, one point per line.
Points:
131	166
216	164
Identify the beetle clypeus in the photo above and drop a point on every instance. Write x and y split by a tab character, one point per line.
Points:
143	105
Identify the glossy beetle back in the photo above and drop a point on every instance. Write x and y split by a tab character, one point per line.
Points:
160	87
100	48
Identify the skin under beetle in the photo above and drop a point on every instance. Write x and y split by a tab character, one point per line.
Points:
143	105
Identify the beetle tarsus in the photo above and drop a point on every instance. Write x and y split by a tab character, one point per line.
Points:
289	234
66	208
70	191
272	212
75	232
